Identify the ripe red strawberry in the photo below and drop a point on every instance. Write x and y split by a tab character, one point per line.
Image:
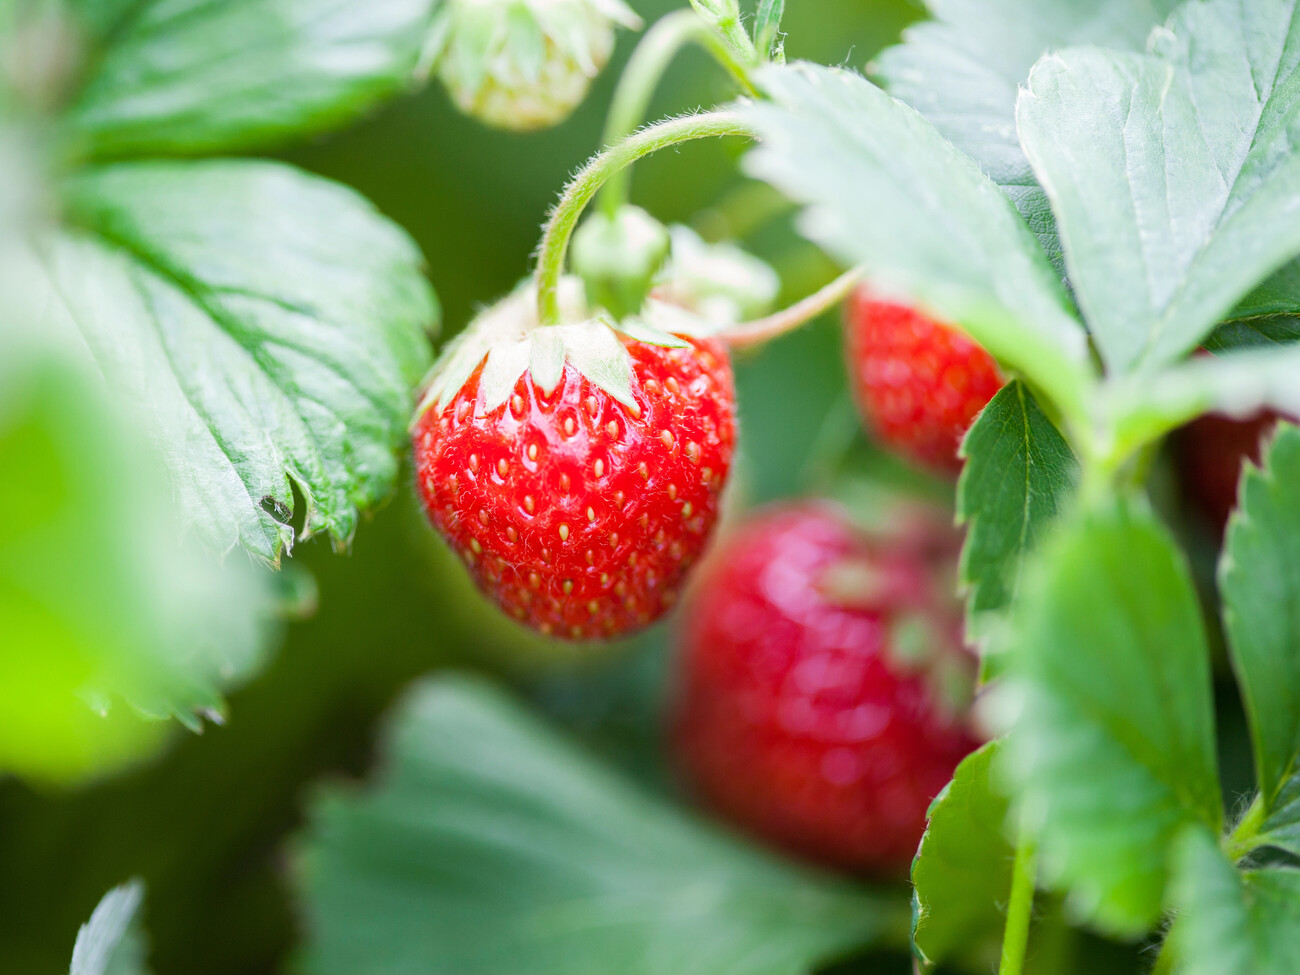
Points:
918	383
822	687
577	514
1210	452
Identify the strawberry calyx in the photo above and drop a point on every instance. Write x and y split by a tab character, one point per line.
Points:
509	336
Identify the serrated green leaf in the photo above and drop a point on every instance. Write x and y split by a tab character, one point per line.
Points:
179	76
111	942
1171	175
1279	295
491	845
882	188
1231	922
962	70
1253	332
1113	750
1259	579
106	621
1018	475
268	325
1282	828
962	872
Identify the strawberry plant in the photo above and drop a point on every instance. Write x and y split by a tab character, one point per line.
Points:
1062	737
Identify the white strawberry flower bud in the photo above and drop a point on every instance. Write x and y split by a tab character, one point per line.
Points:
523	64
718	282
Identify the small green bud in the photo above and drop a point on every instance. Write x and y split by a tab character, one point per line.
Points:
718	282
523	64
618	258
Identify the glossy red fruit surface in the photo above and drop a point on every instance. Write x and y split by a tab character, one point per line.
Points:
1210	452
578	515
822	723
919	383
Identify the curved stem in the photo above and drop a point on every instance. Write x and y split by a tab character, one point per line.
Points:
1015	939
646	67
788	319
583	186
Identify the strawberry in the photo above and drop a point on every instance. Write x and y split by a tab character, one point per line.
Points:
919	383
578	496
822	688
1210	452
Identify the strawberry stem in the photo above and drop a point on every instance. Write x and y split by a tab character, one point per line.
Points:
762	330
578	193
1015	938
1245	836
649	61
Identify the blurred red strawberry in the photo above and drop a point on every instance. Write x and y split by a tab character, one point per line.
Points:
822	688
1210	453
919	383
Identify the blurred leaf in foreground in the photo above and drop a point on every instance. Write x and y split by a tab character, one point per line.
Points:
490	845
962	871
111	942
1108	653
99	607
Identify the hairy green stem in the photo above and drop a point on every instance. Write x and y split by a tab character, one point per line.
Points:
724	16
578	193
1164	961
641	77
765	329
1244	838
1020	907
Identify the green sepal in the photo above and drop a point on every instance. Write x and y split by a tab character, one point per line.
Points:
508	336
547	360
642	331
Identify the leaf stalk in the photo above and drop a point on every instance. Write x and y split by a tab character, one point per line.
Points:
1024	872
762	330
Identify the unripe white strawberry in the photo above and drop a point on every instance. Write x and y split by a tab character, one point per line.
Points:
523	64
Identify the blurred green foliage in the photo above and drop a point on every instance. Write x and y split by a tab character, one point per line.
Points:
206	825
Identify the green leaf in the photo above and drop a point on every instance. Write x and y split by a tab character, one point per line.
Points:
1279	295
188	76
1282	827
1239	384
111	942
962	872
105	620
1231	922
1254	332
1171	175
1259	579
491	845
883	188
767	29
1113	751
962	71
268	324
1019	472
